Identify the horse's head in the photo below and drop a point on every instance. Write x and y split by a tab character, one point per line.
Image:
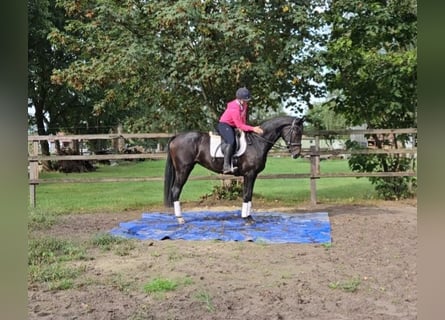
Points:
292	134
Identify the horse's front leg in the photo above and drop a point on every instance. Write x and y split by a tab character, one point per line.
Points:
249	182
181	179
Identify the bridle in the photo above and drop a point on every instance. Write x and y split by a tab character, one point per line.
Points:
293	127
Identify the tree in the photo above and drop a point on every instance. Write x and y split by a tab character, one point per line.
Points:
42	95
371	61
57	105
172	65
323	117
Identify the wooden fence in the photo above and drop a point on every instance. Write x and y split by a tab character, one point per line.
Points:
314	153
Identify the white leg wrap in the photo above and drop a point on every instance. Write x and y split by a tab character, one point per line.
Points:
177	207
178	213
245	210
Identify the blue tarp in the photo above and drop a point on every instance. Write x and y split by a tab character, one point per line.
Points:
269	227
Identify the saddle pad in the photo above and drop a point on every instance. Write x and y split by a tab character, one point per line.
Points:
215	145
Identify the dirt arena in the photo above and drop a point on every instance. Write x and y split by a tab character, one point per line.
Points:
368	272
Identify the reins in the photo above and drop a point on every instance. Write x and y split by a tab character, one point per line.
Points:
264	139
289	143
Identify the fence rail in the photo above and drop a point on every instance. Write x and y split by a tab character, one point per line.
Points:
315	153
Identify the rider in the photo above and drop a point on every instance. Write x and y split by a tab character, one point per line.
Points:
233	117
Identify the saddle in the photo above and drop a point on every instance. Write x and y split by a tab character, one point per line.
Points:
216	141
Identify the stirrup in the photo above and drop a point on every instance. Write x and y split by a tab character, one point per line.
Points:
229	170
232	169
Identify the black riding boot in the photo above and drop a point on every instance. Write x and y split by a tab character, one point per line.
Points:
228	153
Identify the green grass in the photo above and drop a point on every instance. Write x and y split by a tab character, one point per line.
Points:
350	285
55	275
206	299
49	250
160	285
291	191
108	242
61	198
47	259
50	259
39	219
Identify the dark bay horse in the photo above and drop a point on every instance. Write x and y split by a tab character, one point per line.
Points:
189	148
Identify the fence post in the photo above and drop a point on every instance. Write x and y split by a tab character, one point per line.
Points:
33	173
315	169
119	142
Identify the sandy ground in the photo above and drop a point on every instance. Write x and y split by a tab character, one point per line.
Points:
369	272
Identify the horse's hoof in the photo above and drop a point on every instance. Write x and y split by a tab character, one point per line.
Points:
181	220
248	221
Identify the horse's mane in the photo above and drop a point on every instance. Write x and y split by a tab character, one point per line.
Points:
276	122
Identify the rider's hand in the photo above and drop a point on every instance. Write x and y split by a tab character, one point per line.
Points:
258	130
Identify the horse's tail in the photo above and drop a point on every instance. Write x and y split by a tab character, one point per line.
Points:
169	179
